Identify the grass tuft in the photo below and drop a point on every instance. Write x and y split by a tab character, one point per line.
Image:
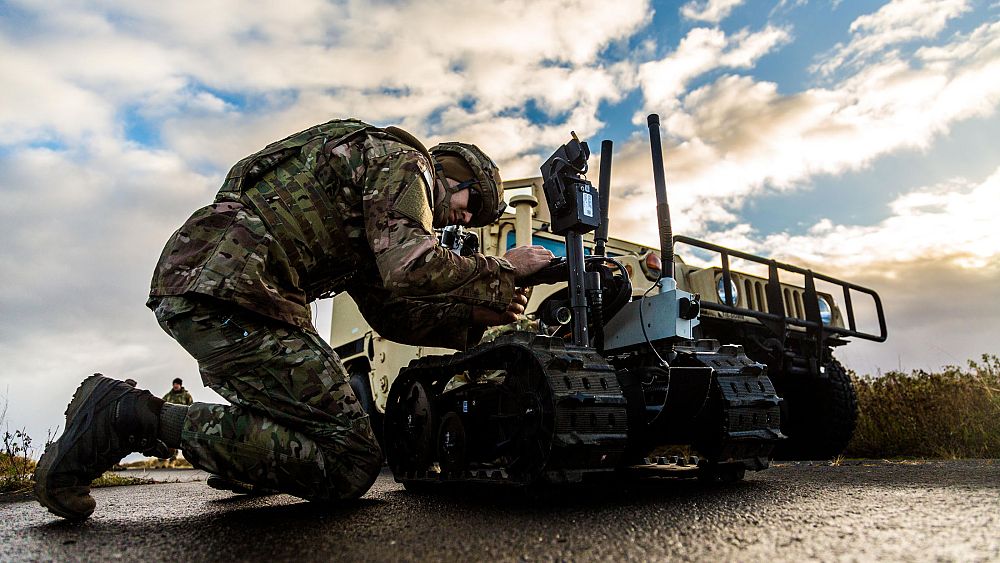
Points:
112	479
156	463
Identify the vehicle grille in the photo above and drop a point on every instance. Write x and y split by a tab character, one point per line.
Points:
753	295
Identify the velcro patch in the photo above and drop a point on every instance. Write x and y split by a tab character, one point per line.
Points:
413	204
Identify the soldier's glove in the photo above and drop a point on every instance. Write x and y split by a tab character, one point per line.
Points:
557	271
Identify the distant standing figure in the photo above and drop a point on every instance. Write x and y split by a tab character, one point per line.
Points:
178	395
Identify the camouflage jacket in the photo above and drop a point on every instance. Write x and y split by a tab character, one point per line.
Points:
341	206
179	397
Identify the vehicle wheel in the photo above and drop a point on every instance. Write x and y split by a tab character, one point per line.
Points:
818	414
361	384
410	430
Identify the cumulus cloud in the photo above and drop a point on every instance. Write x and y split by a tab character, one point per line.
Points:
83	229
895	23
702	50
737	137
384	61
38	104
950	223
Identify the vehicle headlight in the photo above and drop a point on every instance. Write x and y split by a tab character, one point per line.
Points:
825	311
721	289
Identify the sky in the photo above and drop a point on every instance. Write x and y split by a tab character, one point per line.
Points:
855	138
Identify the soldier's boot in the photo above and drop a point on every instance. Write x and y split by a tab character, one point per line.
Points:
239	487
106	420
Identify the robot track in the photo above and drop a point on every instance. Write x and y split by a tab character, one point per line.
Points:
530	408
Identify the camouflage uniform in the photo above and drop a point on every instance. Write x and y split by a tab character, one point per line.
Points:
179	397
342	206
523	324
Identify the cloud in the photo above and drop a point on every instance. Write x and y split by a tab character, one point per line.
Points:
949	224
387	62
712	11
737	137
37	104
80	228
702	50
83	229
937	315
897	22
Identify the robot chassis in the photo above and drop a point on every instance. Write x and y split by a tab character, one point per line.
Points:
597	396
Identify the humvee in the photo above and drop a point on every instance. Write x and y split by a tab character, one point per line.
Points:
786	317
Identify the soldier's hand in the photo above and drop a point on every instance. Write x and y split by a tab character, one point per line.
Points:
515	310
518	303
487	317
481	316
527	260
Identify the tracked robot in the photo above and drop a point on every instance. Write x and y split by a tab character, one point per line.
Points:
616	380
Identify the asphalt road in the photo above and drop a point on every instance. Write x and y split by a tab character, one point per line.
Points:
941	510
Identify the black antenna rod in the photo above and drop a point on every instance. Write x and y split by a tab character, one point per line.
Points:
662	207
604	190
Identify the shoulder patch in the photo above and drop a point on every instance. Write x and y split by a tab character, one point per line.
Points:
412	203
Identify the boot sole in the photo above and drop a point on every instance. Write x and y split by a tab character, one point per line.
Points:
77	420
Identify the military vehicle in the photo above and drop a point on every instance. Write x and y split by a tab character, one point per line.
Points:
628	361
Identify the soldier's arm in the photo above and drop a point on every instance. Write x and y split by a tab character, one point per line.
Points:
417	322
409	258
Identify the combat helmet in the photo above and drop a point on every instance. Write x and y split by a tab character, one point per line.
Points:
457	161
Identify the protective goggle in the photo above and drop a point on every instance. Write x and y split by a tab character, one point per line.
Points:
475	197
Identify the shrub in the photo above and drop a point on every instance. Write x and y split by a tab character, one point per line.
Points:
954	413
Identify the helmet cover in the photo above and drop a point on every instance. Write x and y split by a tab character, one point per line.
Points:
473	169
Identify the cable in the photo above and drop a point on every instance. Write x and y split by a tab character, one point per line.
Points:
626	290
642	323
568	164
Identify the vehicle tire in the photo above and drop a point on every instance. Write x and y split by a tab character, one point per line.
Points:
361	384
818	414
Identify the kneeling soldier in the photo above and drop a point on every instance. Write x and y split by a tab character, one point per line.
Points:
342	206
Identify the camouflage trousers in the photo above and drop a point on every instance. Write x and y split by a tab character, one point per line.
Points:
294	424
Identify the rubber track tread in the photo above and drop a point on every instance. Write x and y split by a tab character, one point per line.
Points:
588	417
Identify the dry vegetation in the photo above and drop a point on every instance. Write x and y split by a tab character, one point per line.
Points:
16	456
16	463
954	413
156	463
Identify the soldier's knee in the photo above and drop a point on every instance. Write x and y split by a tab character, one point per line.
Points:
353	464
365	471
367	459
